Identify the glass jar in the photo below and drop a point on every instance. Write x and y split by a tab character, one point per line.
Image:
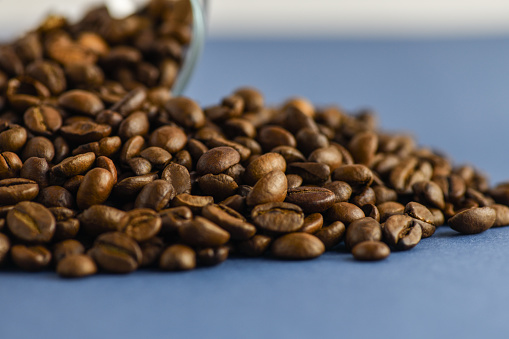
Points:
20	16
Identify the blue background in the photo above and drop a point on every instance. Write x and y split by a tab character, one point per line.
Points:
451	94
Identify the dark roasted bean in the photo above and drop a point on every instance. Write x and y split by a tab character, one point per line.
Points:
280	217
311	199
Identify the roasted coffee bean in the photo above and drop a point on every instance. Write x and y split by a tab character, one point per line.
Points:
155	195
186	112
171	138
364	196
194	202
429	193
10	165
14	190
311	199
290	154
312	223
204	233
55	196
212	256
131	186
418	211
345	212
76	266
312	173
341	190
67	248
217	160
23	92
178	176
262	165
309	140
402	232
371	211
279	217
174	218
116	252
139	166
157	156
95	188
42	120
363	147
354	175
66	229
360	230
271	187
329	156
5	246
183	158
99	219
39	147
178	258
390	208
255	246
293	180
371	251
384	194
31	222
12	137
141	224
408	172
135	124
219	186
230	220
83	131
72	166
473	220
81	102
31	258
332	234
502	215
270	137
236	202
105	147
297	246
61	149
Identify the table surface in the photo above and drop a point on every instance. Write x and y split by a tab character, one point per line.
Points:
450	94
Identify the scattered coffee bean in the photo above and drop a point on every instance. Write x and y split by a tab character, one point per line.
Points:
298	246
371	251
473	220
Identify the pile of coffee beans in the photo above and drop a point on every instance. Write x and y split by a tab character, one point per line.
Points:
101	169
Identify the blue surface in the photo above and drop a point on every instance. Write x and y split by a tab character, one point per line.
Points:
450	94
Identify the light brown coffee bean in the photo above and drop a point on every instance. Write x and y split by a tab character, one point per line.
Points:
402	232
99	219
95	188
67	248
31	222
262	165
14	190
312	223
141	224
31	258
72	166
360	230
332	234
230	220
354	175
345	212
116	252
217	160
155	195
178	258
473	220
194	202
204	233
76	266
371	251
297	246
271	187
279	217
311	199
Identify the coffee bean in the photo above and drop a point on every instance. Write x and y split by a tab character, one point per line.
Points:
293	180
194	202
141	224
55	196
429	193
473	220
76	266
155	195
297	246
171	138
384	194
363	229
219	186
255	246
264	164
363	147
204	233
502	215
174	218
95	188
312	173
371	211
10	165
402	232
290	154
212	256
135	124
279	217
270	137
67	248
217	160
42	120
178	176
131	186
157	156
39	147
253	99
230	220
271	187
390	208
363	196
312	223
354	175
186	112
81	102
311	199
31	222
74	165
31	258
332	234
14	190
12	137
371	251
116	252
345	212
98	219
329	156
151	251
178	258
309	140
341	190
83	131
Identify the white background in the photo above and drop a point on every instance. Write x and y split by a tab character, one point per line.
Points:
310	18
